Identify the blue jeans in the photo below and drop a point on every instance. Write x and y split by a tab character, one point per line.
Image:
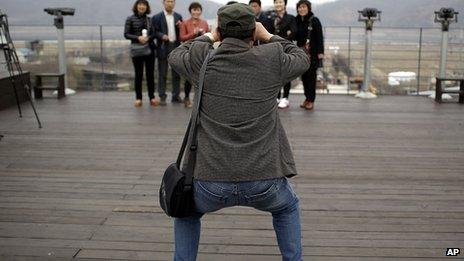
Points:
275	196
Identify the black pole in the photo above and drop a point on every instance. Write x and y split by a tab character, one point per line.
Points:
27	88
101	59
419	62
12	80
349	61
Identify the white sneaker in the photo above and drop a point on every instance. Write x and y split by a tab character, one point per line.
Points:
284	103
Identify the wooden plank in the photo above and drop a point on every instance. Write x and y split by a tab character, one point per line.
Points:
265	222
43	252
30	258
150	234
246	252
63	195
124	255
53	206
219	241
328	204
38	230
51	219
71	190
54	212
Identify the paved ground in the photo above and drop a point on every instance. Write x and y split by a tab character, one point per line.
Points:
378	180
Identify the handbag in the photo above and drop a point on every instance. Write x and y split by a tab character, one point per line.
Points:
176	190
138	49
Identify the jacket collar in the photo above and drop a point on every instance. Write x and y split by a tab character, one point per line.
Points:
306	17
234	45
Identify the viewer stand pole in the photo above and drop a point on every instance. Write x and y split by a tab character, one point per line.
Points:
443	51
445	16
61	48
368	15
59	24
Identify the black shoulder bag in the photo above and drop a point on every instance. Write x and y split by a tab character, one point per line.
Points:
176	191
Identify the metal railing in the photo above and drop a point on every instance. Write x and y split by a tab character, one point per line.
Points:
98	56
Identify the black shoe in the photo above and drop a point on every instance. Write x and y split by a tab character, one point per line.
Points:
176	99
163	101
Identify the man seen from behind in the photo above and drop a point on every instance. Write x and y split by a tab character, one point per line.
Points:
243	155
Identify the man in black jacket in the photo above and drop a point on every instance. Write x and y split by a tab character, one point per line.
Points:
167	24
310	37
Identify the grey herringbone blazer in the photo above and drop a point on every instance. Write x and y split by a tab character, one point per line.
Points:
240	137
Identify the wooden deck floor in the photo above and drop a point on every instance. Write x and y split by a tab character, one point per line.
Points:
378	180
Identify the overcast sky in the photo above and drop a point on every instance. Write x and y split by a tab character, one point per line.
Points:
270	2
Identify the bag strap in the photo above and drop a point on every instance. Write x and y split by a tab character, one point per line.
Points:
184	144
310	28
148	24
192	130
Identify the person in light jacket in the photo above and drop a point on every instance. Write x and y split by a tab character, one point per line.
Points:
190	29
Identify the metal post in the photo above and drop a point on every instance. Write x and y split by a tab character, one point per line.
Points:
364	93
59	24
443	52
349	61
62	55
419	60
368	16
445	16
367	61
101	59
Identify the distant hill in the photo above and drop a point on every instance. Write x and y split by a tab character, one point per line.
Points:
402	13
105	12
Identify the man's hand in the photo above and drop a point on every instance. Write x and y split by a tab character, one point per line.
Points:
320	56
216	35
142	39
165	38
261	34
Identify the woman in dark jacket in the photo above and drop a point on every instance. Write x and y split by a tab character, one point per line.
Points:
310	37
283	25
138	29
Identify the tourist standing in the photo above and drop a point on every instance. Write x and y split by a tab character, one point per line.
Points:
190	29
260	15
166	24
283	25
138	29
309	37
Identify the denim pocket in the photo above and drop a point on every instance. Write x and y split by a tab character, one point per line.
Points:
262	191
209	191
